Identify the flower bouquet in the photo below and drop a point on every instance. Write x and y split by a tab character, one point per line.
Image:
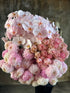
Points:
34	51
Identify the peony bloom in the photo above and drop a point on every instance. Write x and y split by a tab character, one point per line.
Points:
26	64
28	82
17	74
27	54
64	67
7	68
6	57
42	81
1	63
4	52
43	74
52	71
21	80
34	69
47	61
58	63
15	60
13	48
34	83
53	81
27	76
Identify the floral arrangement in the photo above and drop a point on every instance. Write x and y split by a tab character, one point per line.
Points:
34	51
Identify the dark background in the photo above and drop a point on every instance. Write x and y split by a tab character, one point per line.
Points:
55	10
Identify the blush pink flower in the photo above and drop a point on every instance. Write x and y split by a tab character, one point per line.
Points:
7	68
34	69
4	52
15	60
13	48
17	74
53	81
12	75
52	71
43	74
26	64
1	63
9	35
64	67
47	61
27	54
26	76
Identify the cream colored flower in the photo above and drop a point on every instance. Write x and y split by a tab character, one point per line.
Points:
34	69
53	81
18	40
29	81
34	83
6	57
28	44
7	44
42	81
21	81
